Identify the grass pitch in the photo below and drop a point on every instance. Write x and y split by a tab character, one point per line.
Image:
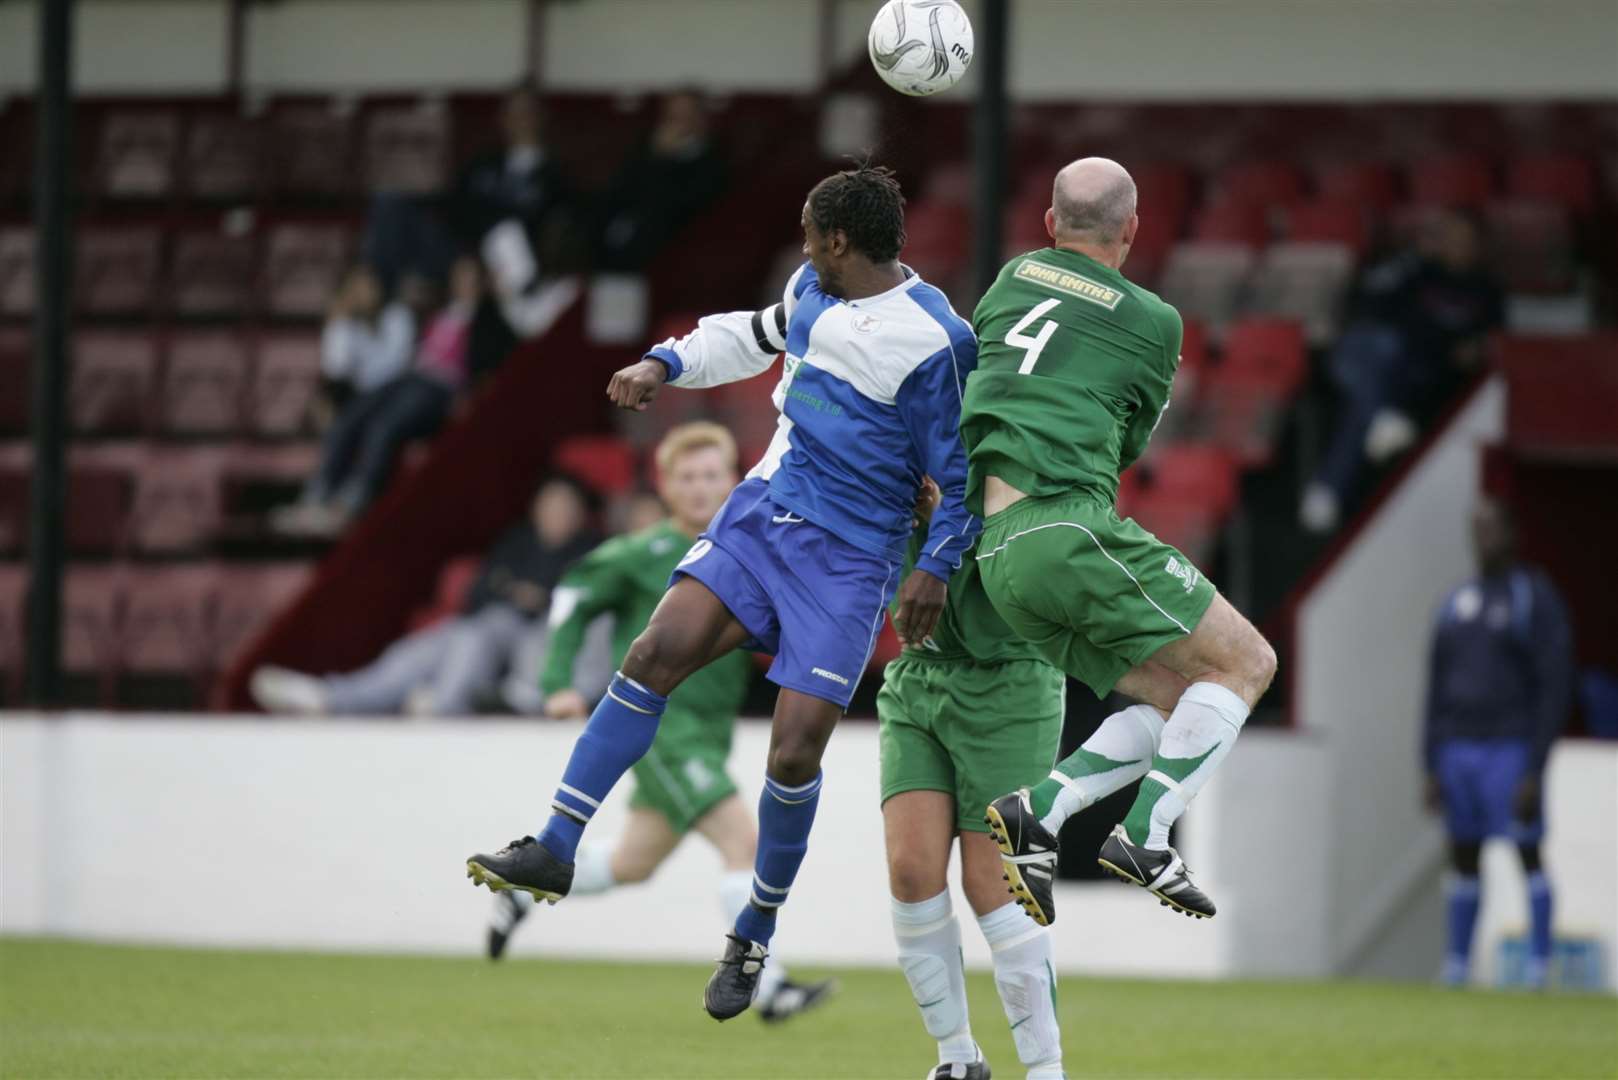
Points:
77	1010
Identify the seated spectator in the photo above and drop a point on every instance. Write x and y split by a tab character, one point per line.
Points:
447	668
363	444
1422	320
366	343
670	178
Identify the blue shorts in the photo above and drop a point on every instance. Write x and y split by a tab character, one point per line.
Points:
1478	779
811	600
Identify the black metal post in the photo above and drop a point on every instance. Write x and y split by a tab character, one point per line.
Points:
53	266
989	138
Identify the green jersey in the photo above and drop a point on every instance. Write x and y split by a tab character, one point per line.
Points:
1074	369
969	628
626	577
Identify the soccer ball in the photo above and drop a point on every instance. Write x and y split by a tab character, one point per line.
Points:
920	47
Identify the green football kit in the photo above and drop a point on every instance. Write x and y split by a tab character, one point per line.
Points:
1075	365
683	775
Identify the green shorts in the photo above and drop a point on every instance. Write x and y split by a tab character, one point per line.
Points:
683	775
1095	594
974	731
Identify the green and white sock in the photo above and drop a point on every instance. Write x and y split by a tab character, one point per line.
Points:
1200	732
929	940
1115	756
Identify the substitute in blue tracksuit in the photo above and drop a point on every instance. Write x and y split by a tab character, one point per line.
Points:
1502	667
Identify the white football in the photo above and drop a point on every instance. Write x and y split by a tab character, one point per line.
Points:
920	47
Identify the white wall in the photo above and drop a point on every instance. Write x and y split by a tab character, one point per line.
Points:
1361	658
1205	50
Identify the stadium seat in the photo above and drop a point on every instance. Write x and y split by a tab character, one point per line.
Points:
1370	184
168	621
249	598
1261	183
212	273
112	381
117	270
135	154
1307	282
16	272
1531	246
1232	221
177	500
1205	280
222	157
1191	475
1163	193
13	632
286	380
99	502
1564	179
748	409
94	600
1335	221
1023	226
1187	381
1459	181
1245	397
407	150
302	265
204	384
605	462
1562	394
311	151
938	237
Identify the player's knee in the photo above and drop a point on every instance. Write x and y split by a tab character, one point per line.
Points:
794	760
1258	663
912	879
655	660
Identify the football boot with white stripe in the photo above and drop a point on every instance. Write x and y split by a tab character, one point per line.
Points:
794	999
523	864
734	982
1028	854
508	912
1163	873
962	1070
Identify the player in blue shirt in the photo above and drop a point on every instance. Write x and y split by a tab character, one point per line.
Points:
803	558
1502	672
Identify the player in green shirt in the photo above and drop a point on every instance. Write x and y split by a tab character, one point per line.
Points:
1075	364
681	784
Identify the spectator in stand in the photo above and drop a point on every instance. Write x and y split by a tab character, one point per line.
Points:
1502	674
366	343
363	444
665	182
449	668
1422	319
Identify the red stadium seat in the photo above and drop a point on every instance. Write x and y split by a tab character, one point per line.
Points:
1460	181
99	502
1261	183
135	155
1564	179
249	598
212	273
286	380
16	271
1205	281
177	500
94	601
204	384
607	463
117	270
13	620
1023	226
1368	184
1306	282
1163	195
1245	398
938	237
312	150
407	150
1531	247
1232	221
168	624
113	376
222	157
1268	351
1332	221
1191	475
302	265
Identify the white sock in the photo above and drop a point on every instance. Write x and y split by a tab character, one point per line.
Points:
735	887
929	939
1129	736
1205	722
1027	984
592	872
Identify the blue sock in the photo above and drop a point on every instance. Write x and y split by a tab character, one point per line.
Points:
1539	910
619	733
1463	916
785	816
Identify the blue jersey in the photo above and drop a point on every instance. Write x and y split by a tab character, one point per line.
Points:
870	401
1502	665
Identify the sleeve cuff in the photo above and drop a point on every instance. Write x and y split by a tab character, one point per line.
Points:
669	359
936	567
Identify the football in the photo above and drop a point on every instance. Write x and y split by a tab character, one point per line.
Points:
920	47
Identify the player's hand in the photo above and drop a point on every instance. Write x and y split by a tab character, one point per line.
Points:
921	601
927	499
566	705
1431	796
635	386
1525	804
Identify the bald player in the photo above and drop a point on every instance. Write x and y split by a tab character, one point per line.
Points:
1074	370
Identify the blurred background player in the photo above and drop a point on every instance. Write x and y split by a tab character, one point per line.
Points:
1498	694
681	785
1078	365
971	711
447	668
805	554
